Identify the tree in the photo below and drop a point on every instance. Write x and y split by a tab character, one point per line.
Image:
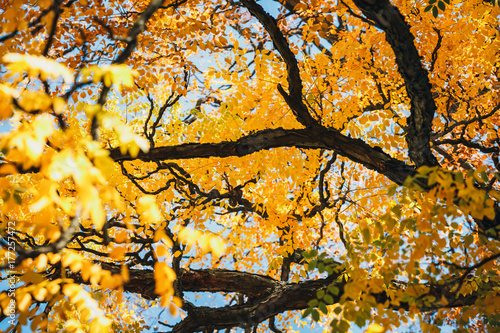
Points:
336	160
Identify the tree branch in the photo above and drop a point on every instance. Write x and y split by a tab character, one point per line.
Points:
422	105
320	138
59	244
267	296
131	40
294	96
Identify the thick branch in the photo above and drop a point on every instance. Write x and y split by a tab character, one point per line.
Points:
294	96
267	297
354	149
221	280
283	297
274	297
422	105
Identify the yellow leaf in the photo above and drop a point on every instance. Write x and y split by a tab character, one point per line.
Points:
148	210
54	257
110	74
58	105
72	325
7	169
375	328
53	287
6	107
177	301
40	293
92	110
161	250
164	301
24	301
173	309
217	246
121	236
125	273
71	290
159	234
31	101
92	205
164	278
53	233
41	261
122	74
34	65
117	253
100	324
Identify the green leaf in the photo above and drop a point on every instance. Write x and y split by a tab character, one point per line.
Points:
310	98
18	198
367	237
397	211
392	189
337	310
313	303
320	293
333	290
431	2
360	321
484	176
435	12
441	5
323	308
306	312
490	231
344	326
328	299
312	265
315	314
20	189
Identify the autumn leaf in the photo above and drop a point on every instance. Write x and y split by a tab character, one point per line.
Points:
295	161
46	68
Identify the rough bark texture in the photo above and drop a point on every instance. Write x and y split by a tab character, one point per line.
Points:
423	107
266	297
317	138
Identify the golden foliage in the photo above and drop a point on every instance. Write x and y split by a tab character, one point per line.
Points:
124	163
